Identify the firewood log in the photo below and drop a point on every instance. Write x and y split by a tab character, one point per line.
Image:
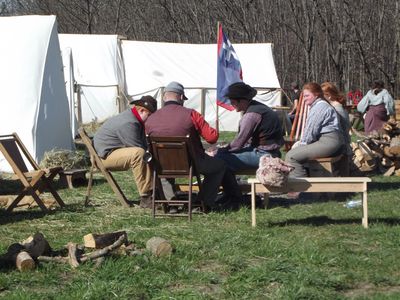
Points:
359	155
37	245
24	261
159	246
389	172
72	256
386	151
366	151
99	241
386	162
395	151
397	172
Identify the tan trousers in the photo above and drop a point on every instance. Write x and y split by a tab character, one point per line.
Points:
131	158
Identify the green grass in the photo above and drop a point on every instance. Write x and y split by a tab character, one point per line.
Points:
299	250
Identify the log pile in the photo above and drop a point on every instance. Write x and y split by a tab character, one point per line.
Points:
36	249
379	152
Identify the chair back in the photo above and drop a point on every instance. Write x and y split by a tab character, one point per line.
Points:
94	157
14	151
171	156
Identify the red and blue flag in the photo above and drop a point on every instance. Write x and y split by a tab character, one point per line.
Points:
229	69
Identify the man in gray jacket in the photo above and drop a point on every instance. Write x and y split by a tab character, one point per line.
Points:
121	144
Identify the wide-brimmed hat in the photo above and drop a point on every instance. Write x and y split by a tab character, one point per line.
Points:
148	102
176	87
240	90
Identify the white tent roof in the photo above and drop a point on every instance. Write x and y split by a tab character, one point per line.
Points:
33	100
99	71
150	65
96	58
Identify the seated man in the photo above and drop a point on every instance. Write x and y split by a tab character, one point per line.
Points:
260	131
175	120
121	143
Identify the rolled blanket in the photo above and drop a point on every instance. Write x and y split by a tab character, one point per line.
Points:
273	171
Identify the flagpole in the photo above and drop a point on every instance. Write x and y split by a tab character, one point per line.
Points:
216	92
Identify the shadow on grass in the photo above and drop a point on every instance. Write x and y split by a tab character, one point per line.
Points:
23	215
309	198
325	220
386	186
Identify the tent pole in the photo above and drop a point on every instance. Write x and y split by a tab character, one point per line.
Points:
203	102
78	111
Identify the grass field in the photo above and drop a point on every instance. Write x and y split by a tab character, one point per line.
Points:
299	250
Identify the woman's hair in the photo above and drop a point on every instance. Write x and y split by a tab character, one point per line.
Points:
333	91
377	86
314	88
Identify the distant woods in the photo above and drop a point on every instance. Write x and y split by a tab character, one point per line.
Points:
349	42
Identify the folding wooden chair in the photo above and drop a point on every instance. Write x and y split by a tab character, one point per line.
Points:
34	182
172	157
97	164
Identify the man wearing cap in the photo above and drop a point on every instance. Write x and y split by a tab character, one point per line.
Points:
175	120
121	143
260	131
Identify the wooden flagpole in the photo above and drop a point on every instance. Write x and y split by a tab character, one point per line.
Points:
216	92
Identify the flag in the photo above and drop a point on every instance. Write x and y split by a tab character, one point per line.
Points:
229	69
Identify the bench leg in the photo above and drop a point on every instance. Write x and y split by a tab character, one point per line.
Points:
266	200
365	209
253	205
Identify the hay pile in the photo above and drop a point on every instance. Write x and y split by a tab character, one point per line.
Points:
66	159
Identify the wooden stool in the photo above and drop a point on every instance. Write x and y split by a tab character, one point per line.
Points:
68	177
324	166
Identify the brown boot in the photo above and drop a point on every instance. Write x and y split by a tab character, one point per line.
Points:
145	201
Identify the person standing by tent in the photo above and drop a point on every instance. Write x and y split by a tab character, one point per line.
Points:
176	120
377	105
121	143
260	131
295	98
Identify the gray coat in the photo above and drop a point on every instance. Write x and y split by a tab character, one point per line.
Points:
122	130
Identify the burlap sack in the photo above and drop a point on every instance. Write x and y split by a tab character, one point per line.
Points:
273	171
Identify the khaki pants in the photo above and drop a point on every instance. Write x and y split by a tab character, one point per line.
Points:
131	158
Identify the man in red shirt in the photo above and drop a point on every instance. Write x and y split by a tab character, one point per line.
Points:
176	120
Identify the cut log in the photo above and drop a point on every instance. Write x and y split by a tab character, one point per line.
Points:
395	151
390	171
24	261
72	256
366	151
99	241
359	154
37	245
386	151
386	162
104	251
159	246
397	172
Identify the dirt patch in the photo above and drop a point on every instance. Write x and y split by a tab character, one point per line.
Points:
368	289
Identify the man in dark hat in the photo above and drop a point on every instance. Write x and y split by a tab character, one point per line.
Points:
176	120
260	131
121	143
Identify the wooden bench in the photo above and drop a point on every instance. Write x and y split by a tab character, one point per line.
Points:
312	185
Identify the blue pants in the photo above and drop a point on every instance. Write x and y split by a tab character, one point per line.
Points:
245	158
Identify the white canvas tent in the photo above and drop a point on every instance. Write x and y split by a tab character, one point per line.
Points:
33	100
149	66
98	73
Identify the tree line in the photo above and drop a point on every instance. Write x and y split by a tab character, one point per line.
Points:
348	42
